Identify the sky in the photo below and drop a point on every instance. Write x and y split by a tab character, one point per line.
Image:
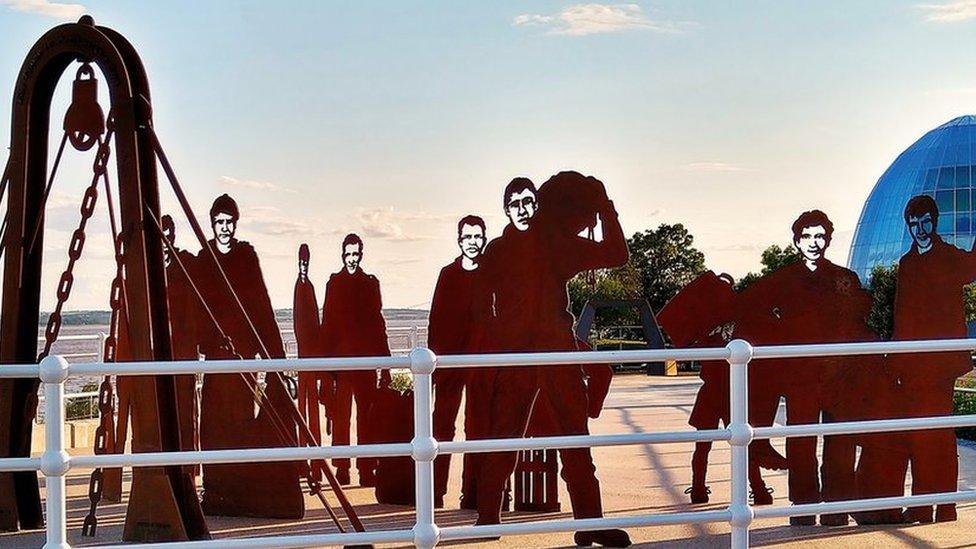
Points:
393	120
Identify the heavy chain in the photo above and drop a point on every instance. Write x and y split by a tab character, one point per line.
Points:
105	433
99	167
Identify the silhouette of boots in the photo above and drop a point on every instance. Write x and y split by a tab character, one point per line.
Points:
699	493
945	512
922	514
604	538
834	519
762	495
342	477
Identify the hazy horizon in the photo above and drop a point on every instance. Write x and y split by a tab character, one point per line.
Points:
394	120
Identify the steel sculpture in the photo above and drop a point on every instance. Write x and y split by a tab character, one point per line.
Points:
163	503
353	325
929	304
527	269
459	313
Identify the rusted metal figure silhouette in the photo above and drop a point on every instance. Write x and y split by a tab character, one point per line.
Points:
928	305
528	268
305	317
461	306
229	489
184	311
702	315
811	301
353	325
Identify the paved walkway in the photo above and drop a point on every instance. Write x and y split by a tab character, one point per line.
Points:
635	479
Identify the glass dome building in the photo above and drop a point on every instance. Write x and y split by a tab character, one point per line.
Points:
941	164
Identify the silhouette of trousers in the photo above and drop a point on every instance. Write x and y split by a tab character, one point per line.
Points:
361	386
932	453
513	397
448	387
803	405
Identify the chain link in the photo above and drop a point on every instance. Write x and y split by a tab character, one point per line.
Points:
77	244
106	397
105	429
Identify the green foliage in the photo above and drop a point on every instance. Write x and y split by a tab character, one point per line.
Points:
82	408
882	286
773	257
965	403
401	381
665	260
882	289
620	283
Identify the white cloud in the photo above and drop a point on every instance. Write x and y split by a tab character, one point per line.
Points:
713	167
949	12
229	181
585	19
56	10
388	223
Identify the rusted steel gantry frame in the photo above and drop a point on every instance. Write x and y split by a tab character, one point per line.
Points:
163	504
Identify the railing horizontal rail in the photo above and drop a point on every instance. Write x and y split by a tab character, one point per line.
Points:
855	505
176	367
240	455
579	441
814	350
12	371
20	464
570	525
865	426
281	542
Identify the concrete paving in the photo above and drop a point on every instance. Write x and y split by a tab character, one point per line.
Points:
635	480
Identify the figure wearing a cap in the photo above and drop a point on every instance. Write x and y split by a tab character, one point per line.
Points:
353	325
305	316
227	410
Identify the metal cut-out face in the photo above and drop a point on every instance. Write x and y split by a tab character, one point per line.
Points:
922	228
520	208
471	240
352	255
812	242
224	228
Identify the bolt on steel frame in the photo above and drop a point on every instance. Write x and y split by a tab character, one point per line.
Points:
54	463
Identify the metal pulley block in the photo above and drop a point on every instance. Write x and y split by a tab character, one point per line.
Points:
84	122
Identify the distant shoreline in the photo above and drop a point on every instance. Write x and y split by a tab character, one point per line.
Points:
98	317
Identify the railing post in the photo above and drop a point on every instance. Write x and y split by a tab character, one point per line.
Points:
102	336
426	534
55	460
740	353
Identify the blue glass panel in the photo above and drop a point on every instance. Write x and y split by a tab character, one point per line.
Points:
947	224
945	202
931	176
947	178
962	200
962	223
962	176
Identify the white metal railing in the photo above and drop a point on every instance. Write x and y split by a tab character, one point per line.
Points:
416	335
55	462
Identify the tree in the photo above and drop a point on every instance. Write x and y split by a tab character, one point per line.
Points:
619	283
665	260
883	285
882	288
773	257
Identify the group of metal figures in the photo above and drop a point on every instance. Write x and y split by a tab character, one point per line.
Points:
506	295
816	301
